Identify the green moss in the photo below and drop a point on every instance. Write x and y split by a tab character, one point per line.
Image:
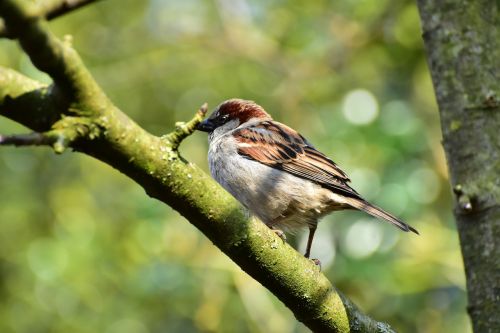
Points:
455	125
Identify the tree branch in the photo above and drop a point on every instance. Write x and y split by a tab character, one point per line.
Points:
75	102
51	9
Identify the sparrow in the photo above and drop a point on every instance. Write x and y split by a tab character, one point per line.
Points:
276	173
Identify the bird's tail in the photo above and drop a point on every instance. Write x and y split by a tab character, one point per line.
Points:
373	210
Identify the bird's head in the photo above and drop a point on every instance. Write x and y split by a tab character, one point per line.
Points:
231	114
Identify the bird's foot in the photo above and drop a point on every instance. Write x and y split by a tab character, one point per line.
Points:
280	234
317	262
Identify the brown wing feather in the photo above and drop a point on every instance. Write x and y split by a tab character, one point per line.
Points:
289	151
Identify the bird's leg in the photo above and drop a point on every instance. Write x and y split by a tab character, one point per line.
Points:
312	230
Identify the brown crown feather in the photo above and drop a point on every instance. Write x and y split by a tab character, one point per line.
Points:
242	109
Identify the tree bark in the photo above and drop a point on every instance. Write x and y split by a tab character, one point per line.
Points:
74	112
462	39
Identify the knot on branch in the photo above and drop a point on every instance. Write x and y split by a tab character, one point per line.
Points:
464	200
185	129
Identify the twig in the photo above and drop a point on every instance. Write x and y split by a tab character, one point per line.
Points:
56	139
51	9
60	8
183	129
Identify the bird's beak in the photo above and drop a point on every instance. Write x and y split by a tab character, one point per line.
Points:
206	125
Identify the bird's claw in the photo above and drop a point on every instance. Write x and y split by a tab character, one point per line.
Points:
317	262
280	234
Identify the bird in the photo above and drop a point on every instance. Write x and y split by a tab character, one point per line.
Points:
276	173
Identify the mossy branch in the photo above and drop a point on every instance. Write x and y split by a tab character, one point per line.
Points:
74	103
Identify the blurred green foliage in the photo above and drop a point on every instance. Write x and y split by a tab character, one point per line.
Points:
83	249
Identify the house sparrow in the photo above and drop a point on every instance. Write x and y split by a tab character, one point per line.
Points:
276	173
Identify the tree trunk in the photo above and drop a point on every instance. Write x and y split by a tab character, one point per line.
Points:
462	39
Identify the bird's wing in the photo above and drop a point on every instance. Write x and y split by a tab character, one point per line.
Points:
278	146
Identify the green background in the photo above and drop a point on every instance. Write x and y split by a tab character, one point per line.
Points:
84	249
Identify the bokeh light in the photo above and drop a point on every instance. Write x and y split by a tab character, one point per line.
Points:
363	238
423	185
360	107
398	119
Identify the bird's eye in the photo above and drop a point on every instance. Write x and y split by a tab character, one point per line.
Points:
224	118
